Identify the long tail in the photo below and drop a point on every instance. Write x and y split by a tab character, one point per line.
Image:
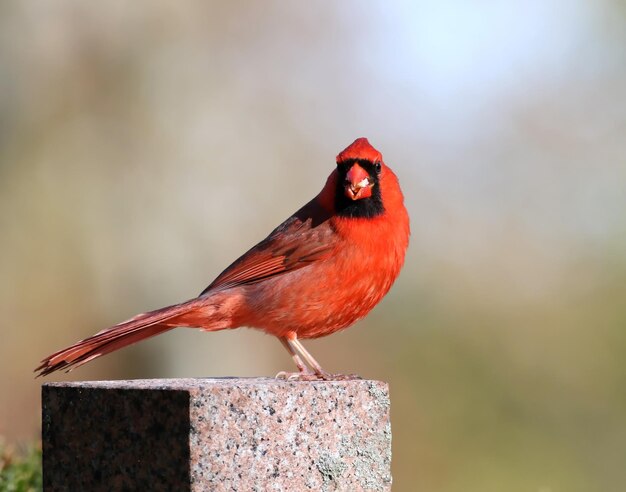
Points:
140	327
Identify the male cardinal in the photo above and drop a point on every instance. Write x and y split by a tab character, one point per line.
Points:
318	272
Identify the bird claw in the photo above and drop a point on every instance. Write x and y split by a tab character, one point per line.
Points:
310	376
298	376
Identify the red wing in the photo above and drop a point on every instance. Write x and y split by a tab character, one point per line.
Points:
293	245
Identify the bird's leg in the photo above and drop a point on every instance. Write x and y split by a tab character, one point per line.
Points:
319	372
294	355
298	352
310	360
304	371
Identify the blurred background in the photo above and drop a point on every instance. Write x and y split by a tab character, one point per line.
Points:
145	145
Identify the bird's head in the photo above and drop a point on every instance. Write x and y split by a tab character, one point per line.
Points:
359	169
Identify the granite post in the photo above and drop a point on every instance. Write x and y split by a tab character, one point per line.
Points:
231	434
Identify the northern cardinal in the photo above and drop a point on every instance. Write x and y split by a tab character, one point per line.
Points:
318	272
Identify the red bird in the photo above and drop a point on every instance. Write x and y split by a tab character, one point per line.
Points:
318	272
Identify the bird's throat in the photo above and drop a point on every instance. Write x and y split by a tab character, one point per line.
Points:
369	207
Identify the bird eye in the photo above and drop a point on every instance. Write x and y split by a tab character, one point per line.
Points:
377	166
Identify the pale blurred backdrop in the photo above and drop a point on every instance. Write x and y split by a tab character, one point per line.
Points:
145	145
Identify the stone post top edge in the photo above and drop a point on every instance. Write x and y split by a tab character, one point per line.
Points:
198	383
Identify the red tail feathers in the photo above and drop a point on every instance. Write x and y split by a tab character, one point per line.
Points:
140	327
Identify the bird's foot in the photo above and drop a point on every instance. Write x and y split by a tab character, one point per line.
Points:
312	376
298	376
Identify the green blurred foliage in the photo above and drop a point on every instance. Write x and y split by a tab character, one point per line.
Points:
20	472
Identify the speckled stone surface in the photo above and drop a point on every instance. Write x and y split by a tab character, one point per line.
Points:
227	434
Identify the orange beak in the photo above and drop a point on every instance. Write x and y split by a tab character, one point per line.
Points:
358	183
